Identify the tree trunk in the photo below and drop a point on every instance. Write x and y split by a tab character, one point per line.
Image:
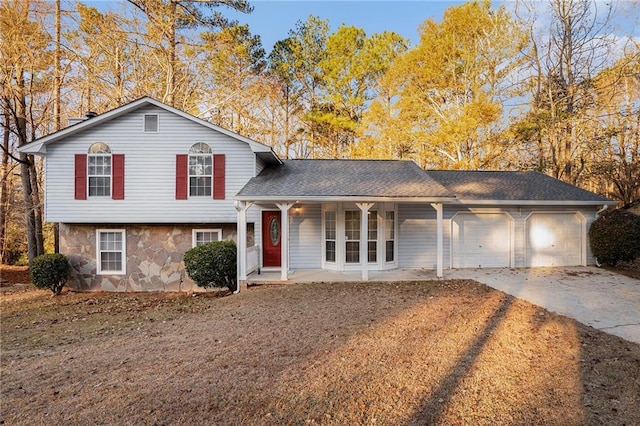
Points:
56	106
4	189
33	225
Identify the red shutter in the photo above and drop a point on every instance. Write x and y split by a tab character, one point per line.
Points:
182	161
118	176
218	176
81	177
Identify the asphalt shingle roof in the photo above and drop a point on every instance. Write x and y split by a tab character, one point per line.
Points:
344	178
496	185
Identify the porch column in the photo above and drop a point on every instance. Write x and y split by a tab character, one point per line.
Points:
438	207
284	239
364	238
241	246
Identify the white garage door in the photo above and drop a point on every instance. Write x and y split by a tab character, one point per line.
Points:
554	239
480	241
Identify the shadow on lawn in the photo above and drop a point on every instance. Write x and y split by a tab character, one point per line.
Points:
435	404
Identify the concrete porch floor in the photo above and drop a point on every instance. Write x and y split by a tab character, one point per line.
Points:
319	276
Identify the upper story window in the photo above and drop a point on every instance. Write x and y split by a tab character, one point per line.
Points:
151	122
200	170
99	170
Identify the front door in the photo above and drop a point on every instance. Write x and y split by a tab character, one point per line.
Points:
271	233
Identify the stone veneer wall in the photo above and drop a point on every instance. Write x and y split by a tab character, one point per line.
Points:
154	256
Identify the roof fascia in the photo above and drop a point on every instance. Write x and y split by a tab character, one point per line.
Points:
364	198
536	202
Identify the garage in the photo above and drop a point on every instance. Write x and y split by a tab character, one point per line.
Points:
554	239
480	240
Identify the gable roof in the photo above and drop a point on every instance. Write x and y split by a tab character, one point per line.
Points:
487	187
39	146
338	180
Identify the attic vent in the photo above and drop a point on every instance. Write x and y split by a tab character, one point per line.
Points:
151	122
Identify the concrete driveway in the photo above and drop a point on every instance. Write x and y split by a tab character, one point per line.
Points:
604	300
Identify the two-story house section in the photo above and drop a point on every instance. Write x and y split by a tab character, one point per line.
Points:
134	188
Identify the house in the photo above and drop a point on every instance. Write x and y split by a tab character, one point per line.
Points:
136	187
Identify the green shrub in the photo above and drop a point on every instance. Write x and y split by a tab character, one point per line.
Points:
49	271
615	237
213	264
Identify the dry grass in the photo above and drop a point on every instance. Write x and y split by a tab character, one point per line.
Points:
453	352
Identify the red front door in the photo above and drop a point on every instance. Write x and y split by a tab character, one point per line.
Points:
271	233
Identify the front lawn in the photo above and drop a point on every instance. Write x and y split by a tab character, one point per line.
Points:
451	352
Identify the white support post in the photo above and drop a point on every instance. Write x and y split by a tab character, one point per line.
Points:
241	244
439	238
284	239
364	238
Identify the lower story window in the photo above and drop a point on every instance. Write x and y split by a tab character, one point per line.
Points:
390	235
204	236
352	236
111	256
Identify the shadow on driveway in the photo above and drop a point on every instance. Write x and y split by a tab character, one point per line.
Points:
596	297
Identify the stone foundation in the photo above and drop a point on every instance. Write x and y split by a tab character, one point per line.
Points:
154	257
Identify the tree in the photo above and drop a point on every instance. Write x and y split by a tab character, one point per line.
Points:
614	151
294	62
565	57
101	52
234	60
351	68
26	63
164	21
451	88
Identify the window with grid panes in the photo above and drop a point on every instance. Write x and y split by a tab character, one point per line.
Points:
99	170
390	235
200	170
330	235
204	236
372	239
111	251
352	236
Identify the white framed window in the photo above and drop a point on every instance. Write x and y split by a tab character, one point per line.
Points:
372	238
111	253
352	236
389	235
330	236
200	170
151	123
203	236
99	170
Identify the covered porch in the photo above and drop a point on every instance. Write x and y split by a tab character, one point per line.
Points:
327	276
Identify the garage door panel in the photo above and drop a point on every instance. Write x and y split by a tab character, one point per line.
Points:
481	240
554	239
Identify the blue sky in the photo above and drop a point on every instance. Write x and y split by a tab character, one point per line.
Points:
273	20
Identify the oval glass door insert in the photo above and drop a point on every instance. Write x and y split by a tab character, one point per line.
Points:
274	231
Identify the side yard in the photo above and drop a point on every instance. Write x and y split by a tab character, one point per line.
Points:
451	352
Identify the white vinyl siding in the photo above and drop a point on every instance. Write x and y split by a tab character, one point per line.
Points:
417	229
480	240
150	169
305	237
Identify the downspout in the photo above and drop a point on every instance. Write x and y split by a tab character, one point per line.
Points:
604	207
